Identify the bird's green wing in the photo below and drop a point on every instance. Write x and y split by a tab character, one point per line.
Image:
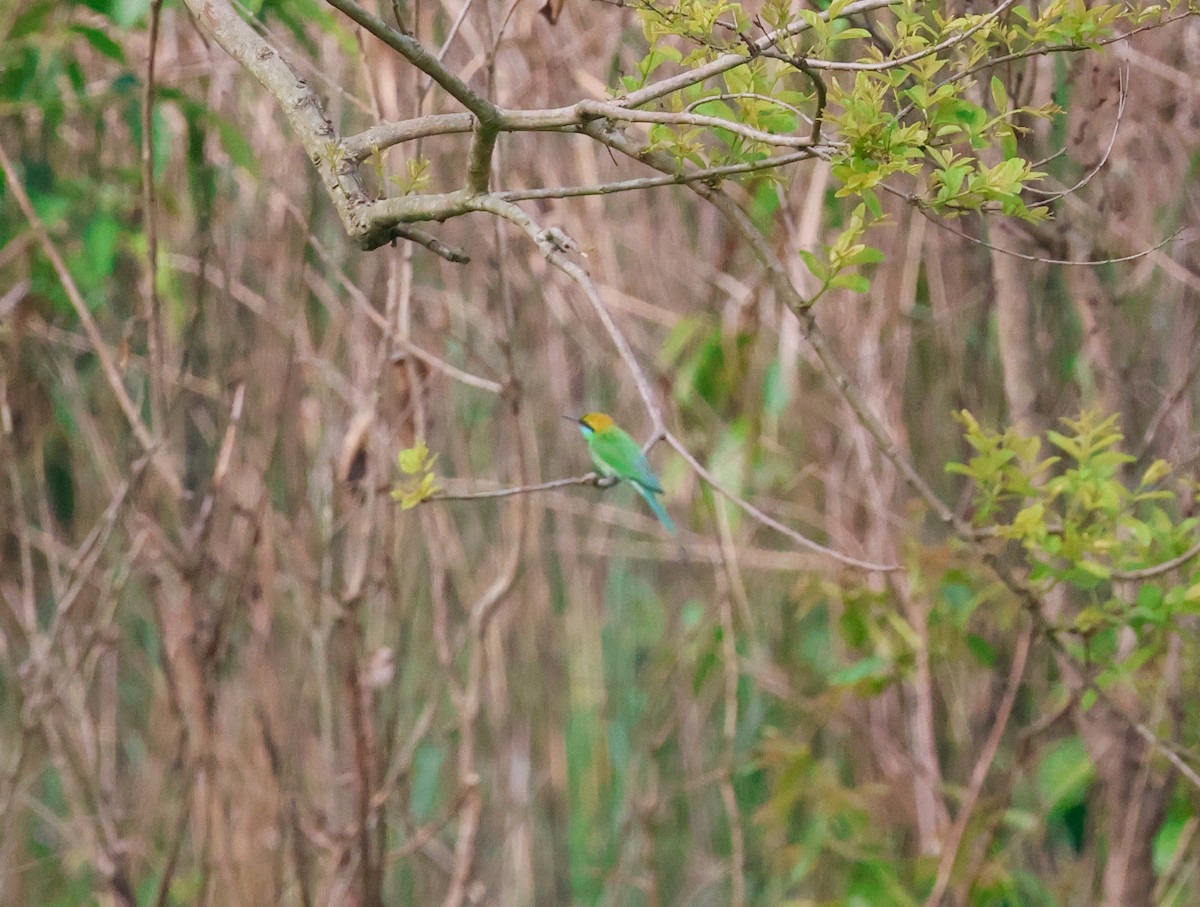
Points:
618	454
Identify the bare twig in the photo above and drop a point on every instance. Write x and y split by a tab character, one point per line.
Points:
432	243
441	365
750	96
1169	402
885	65
1065	262
1122	98
154	330
385	134
983	765
427	78
419	56
1158	569
614	111
729	585
651	182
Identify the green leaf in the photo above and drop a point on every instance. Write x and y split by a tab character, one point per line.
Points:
873	667
818	268
999	94
1065	773
777	395
100	239
413	459
236	145
100	41
983	651
856	283
1157	470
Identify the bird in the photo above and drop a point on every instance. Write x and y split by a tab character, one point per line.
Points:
618	456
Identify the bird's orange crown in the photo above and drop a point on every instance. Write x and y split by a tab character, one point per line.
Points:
597	421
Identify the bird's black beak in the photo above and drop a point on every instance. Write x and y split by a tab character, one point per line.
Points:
572	419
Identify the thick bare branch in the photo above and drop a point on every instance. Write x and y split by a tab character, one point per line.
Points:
297	100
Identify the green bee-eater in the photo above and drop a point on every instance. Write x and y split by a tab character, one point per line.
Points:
616	454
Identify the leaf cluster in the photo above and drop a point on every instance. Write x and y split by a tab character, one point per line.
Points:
837	267
910	103
1083	523
420	482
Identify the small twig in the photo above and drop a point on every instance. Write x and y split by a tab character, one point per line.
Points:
427	80
653	182
419	56
616	111
1158	569
178	833
83	565
1164	408
983	765
885	65
155	338
729	61
13	297
432	243
1122	98
441	365
423	835
1025	256
747	95
197	536
993	62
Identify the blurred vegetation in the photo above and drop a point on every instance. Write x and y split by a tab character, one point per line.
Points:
279	683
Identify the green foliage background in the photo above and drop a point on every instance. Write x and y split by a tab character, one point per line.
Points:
250	691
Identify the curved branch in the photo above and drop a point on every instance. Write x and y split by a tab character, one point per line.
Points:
299	103
1065	262
416	54
653	182
590	109
1122	98
432	243
1158	569
729	61
362	145
884	65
